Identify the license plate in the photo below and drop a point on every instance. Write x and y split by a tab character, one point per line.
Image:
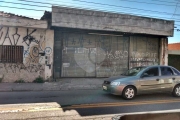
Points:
105	87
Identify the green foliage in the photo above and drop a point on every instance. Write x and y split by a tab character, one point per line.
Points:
20	81
39	80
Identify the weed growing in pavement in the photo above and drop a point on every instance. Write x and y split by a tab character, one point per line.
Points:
20	81
39	80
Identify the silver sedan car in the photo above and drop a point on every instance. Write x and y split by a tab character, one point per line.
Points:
144	79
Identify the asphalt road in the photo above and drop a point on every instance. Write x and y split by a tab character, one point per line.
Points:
93	102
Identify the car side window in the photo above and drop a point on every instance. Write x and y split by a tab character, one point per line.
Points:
166	71
176	72
151	72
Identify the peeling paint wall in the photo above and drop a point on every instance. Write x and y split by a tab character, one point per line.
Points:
37	53
164	51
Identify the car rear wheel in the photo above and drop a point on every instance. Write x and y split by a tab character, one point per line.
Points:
176	91
129	93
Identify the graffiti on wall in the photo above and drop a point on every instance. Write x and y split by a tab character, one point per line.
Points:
143	59
35	53
100	56
144	52
17	67
104	56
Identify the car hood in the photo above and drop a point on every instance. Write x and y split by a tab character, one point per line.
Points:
116	78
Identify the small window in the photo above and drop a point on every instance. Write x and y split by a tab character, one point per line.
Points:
176	72
11	54
166	71
152	72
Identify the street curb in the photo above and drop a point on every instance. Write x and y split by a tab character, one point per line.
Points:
11	87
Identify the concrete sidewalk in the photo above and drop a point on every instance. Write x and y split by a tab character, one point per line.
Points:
60	84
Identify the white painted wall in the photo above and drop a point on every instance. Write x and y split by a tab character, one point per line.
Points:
174	52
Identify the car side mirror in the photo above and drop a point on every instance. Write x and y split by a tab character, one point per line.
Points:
144	75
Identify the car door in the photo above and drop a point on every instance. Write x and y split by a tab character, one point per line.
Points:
167	78
149	80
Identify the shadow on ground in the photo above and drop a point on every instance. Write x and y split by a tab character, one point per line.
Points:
68	99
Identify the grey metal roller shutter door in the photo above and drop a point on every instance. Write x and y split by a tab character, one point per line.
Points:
144	51
86	55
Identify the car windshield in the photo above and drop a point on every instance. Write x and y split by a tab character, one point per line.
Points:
133	71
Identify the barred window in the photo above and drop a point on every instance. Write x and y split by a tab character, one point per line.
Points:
11	54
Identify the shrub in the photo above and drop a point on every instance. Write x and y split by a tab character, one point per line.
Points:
20	81
39	80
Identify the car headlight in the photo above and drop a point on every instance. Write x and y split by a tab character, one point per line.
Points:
115	83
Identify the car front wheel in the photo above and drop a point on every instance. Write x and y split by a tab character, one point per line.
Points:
176	91
129	92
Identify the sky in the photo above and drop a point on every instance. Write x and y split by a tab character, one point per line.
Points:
163	9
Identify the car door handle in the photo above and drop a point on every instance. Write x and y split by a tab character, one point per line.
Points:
157	79
173	78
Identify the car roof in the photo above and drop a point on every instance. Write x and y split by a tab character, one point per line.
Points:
154	66
159	66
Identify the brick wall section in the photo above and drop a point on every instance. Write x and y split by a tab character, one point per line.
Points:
174	46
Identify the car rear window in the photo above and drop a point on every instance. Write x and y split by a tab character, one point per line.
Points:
166	71
176	72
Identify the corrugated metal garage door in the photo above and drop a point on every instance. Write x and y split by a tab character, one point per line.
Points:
88	55
116	60
144	51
